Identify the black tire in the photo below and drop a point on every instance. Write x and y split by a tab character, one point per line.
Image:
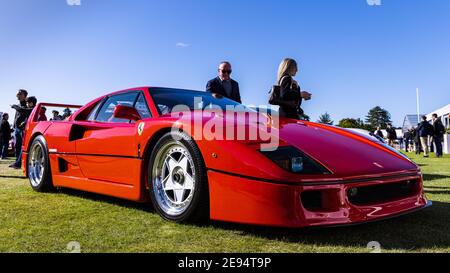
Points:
40	181
198	209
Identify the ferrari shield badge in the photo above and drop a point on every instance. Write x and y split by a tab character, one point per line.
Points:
141	128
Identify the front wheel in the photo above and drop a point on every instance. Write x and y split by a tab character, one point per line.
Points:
178	182
38	166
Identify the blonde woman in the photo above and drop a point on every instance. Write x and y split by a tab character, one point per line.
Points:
289	96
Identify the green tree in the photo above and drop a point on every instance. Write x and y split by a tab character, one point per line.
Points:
352	123
325	119
378	116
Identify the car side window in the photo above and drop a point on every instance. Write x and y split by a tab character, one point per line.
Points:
94	111
106	112
142	107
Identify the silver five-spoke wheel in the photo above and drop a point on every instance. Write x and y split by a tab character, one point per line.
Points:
178	180
173	179
36	165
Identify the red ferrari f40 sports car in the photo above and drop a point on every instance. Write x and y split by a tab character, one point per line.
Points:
135	144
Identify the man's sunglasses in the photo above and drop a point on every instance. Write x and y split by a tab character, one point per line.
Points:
227	71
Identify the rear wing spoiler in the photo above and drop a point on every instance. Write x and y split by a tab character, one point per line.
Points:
35	113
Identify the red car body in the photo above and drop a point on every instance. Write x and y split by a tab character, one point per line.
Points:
244	185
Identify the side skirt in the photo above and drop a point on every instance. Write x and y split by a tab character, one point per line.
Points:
122	191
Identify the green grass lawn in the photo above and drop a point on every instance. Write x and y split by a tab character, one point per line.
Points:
33	222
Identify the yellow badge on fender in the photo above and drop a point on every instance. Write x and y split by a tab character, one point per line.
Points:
141	127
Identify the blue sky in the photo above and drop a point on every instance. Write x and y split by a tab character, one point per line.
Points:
352	56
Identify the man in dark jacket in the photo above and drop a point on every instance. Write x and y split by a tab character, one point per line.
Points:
24	112
425	130
5	136
224	85
19	126
438	136
391	135
416	139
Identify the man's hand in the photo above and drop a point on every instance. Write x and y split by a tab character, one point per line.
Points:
15	107
306	95
217	96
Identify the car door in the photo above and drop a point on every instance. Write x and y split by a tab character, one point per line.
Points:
106	147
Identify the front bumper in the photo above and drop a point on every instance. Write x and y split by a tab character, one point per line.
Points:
250	201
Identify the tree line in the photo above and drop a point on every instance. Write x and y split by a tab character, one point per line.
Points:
377	117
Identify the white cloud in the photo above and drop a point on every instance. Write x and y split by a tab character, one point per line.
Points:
182	45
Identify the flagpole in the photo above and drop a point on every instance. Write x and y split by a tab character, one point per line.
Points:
418	105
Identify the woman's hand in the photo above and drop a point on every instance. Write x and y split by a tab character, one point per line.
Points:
306	95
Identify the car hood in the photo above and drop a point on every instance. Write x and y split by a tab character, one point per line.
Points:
343	152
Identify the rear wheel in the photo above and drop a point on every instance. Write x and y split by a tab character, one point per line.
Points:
38	166
178	183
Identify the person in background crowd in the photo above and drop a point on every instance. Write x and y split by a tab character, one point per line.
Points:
224	85
42	116
413	141
66	114
407	138
25	112
56	116
379	132
401	142
19	126
290	96
425	130
391	135
5	136
431	142
31	103
438	136
417	145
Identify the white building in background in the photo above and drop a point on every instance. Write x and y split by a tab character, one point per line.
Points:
411	121
444	115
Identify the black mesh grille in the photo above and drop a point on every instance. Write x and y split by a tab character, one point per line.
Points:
383	193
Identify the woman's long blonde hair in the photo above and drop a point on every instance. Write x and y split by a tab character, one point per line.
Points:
288	67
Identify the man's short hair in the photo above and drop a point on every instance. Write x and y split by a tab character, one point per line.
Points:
4	115
24	92
55	112
424	118
435	115
32	100
225	62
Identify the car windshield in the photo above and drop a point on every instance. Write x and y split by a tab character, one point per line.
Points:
167	99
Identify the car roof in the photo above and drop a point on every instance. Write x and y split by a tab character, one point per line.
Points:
150	88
